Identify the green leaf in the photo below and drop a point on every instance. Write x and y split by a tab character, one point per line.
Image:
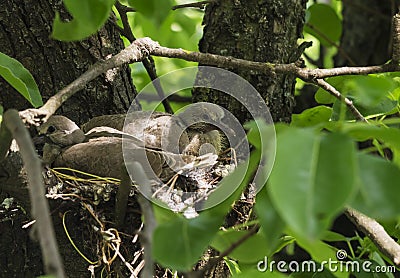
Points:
371	95
385	106
335	178
270	221
88	17
164	215
323	97
157	11
178	244
312	116
313	177
332	236
250	251
369	90
20	78
363	131
323	23
379	188
368	268
232	265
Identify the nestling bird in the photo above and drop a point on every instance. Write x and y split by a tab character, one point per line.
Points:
99	151
183	133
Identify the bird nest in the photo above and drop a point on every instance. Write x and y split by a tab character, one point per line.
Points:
72	184
89	201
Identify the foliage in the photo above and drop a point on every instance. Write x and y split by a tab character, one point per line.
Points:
87	17
20	78
323	23
156	11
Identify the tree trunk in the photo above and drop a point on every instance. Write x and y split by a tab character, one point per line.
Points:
262	31
366	37
25	34
25	29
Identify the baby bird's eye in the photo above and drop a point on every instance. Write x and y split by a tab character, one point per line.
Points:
51	129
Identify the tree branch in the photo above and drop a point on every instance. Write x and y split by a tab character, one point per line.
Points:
135	52
39	206
376	233
236	244
325	37
142	48
213	261
199	5
174	98
333	91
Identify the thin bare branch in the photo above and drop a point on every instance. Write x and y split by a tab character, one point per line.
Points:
174	98
385	243
213	261
200	5
310	74
148	62
325	37
269	68
333	91
39	206
122	8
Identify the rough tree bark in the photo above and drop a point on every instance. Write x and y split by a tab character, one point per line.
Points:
25	28
263	31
